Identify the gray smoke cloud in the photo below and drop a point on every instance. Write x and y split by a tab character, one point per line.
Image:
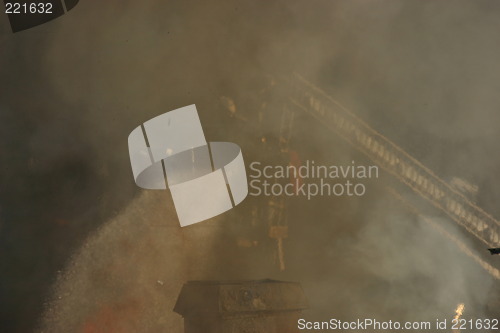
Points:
422	73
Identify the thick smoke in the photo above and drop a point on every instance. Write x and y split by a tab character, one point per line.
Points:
422	73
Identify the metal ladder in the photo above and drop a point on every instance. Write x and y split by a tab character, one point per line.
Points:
393	159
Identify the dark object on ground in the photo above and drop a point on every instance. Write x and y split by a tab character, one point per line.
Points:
264	306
